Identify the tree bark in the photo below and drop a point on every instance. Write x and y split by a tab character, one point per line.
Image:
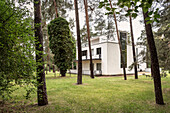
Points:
56	11
48	53
154	62
63	73
53	68
46	69
120	46
133	49
79	77
88	33
41	89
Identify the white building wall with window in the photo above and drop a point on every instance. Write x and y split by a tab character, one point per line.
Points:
109	60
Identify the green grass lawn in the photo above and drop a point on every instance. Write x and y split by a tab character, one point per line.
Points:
99	95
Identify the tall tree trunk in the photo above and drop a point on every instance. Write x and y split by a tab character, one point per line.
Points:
88	33
41	89
47	41
46	69
48	56
79	77
154	62
56	11
53	68
147	58
133	48
120	46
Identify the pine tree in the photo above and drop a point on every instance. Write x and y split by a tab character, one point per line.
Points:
120	46
154	61
88	35
79	77
133	48
41	90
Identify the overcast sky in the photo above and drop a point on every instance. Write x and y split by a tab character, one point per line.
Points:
124	26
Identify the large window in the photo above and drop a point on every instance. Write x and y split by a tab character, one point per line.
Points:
123	37
84	53
99	66
98	52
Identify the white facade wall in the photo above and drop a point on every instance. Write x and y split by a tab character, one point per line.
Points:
110	57
113	59
130	60
141	66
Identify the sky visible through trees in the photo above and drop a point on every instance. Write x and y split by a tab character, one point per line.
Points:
123	25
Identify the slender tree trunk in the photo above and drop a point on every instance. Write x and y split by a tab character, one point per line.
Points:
133	49
88	33
56	11
120	46
79	77
48	58
147	58
41	89
53	68
46	69
48	50
72	65
49	67
154	62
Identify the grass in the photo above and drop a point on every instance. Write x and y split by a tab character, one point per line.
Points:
99	95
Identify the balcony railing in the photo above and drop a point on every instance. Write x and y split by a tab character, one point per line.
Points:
93	57
86	72
95	72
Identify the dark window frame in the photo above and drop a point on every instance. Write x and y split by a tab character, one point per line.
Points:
98	51
123	36
97	66
84	53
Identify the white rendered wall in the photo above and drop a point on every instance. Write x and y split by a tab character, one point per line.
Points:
113	59
130	60
142	66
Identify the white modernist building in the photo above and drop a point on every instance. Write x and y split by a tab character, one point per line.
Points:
106	56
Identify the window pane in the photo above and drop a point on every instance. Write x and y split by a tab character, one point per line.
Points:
98	51
84	53
123	37
98	66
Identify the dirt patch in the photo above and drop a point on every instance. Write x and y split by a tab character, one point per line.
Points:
112	75
84	84
148	81
166	90
58	77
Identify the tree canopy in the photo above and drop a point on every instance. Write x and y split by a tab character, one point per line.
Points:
61	44
16	48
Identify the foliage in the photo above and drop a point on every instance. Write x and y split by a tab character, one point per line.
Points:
48	8
164	24
163	50
48	14
16	47
61	44
135	6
